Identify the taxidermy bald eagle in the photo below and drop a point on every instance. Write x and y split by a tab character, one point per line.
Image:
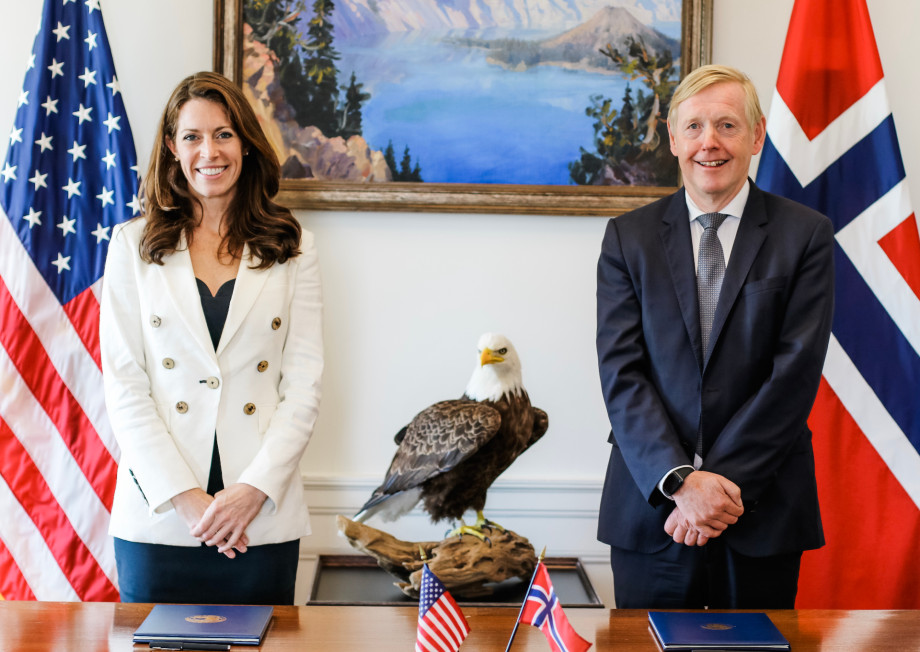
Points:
451	453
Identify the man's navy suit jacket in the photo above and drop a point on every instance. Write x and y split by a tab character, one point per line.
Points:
752	396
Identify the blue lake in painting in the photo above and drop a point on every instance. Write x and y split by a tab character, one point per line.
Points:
466	120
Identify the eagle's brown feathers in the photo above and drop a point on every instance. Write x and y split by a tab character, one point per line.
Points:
451	452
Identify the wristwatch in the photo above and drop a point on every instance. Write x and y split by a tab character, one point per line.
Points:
675	480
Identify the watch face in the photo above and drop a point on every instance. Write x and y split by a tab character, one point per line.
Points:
675	480
672	483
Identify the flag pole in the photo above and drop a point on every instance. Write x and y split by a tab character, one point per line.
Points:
517	623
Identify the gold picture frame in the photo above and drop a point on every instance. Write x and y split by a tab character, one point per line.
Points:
696	21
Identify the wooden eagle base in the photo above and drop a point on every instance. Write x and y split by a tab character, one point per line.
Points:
465	565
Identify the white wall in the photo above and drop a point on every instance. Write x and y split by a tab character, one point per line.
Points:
407	294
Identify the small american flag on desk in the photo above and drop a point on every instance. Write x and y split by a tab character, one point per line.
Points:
441	625
70	175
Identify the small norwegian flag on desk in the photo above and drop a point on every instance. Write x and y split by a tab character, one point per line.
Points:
543	610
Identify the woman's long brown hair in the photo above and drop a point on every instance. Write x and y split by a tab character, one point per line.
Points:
271	230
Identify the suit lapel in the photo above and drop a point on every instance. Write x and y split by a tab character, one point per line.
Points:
246	289
183	290
748	242
674	231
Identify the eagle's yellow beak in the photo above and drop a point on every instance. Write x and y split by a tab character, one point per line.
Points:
489	357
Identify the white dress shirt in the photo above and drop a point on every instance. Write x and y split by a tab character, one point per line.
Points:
727	231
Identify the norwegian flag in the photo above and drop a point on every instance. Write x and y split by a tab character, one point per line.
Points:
69	176
543	610
832	145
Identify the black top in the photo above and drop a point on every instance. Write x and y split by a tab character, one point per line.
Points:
215	308
215	314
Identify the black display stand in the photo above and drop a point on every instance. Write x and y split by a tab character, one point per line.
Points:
357	580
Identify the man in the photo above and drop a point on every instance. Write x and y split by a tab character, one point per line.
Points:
710	496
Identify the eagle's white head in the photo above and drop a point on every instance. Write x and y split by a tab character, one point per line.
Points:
498	369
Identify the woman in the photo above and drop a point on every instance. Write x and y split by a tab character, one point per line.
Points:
211	331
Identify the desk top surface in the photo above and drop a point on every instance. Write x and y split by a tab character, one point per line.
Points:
43	626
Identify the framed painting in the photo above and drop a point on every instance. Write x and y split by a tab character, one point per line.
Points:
463	106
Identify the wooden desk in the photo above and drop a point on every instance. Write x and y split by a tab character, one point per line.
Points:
95	627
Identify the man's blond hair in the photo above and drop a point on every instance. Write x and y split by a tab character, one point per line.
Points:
705	76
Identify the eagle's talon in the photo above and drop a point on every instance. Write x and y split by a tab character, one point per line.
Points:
492	525
472	530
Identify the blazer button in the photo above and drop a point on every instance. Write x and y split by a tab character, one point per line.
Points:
262	366
169	363
212	382
181	407
276	323
249	408
155	321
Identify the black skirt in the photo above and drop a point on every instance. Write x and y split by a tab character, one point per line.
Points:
150	572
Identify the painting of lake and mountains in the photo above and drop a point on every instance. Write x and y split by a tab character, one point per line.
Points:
544	92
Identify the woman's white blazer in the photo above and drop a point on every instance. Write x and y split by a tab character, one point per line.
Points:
167	390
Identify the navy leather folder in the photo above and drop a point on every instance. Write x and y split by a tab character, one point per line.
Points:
714	630
189	623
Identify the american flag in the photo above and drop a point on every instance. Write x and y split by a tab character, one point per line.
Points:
832	145
542	610
441	625
69	176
